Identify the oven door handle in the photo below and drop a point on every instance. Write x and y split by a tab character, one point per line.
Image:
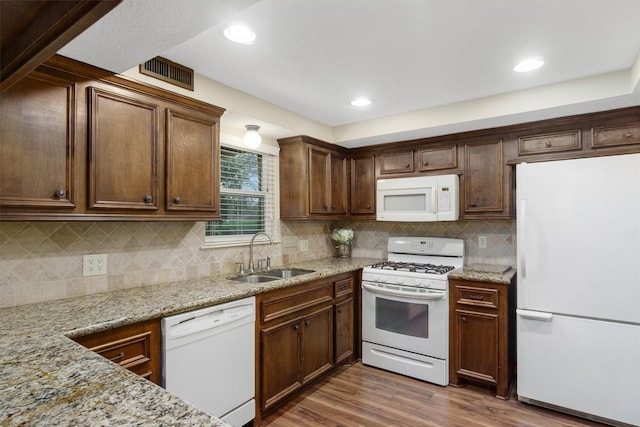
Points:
431	295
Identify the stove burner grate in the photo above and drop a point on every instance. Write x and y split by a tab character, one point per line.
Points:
414	267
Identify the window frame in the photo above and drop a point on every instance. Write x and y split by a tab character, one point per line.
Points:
274	229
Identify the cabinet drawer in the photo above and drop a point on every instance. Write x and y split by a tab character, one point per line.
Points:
550	142
479	297
343	287
438	158
280	305
612	136
135	347
391	163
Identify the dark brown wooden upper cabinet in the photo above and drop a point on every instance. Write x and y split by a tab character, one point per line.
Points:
484	183
363	186
38	144
193	158
80	143
438	158
123	150
314	179
392	163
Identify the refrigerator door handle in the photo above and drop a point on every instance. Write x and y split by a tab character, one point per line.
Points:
534	315
523	238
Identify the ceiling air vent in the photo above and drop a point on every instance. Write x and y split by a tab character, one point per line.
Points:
168	71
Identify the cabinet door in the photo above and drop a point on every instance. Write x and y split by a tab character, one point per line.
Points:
344	330
280	362
38	143
363	186
317	343
338	184
438	158
123	151
392	163
477	345
483	177
319	185
192	162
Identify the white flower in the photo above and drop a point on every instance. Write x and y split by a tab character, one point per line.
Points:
343	235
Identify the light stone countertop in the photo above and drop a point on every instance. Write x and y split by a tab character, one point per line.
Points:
501	274
48	379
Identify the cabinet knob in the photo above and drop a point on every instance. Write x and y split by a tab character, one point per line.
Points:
325	207
307	323
369	207
407	165
177	200
60	193
148	198
627	135
339	310
296	327
548	144
464	318
333	206
473	204
425	163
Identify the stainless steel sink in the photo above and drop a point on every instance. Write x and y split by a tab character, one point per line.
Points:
282	273
270	275
255	278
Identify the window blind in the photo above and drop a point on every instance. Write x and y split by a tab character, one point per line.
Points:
246	195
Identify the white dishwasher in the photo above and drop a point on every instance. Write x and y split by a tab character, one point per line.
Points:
209	359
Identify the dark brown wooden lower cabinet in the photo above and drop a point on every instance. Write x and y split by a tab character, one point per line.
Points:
135	347
481	334
303	332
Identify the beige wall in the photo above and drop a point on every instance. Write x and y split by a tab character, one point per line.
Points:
42	261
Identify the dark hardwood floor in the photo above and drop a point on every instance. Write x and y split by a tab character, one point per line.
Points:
360	395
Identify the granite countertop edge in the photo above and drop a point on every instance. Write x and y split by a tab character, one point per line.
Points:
47	378
467	273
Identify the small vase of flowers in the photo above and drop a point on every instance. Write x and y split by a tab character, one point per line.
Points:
344	238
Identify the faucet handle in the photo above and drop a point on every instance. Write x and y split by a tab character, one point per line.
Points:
268	263
260	261
241	264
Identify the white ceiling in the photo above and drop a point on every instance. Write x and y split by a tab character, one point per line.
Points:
416	59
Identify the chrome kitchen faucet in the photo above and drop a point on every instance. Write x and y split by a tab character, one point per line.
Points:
251	269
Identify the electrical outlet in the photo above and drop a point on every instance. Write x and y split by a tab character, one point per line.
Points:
94	265
482	241
304	245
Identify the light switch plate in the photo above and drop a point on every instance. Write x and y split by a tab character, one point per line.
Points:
94	265
482	241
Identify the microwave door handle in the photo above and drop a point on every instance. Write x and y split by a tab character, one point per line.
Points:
432	295
433	200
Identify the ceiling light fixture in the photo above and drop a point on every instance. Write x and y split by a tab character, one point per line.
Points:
240	33
361	102
252	138
529	64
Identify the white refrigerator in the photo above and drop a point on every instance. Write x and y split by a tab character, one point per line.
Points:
578	315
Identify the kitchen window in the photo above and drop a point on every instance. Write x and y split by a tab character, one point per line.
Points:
248	195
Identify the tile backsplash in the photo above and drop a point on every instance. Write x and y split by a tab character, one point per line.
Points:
41	261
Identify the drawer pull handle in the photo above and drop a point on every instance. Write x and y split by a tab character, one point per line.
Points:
628	135
476	297
117	357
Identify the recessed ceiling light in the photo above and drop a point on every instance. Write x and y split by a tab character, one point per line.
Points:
529	64
240	33
361	102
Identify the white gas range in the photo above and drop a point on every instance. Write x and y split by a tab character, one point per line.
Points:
405	307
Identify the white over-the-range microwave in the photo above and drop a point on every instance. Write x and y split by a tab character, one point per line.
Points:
418	199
